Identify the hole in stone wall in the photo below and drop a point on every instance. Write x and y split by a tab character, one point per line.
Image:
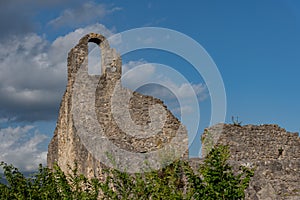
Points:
113	69
94	59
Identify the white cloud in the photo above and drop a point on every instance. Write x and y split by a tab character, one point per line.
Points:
198	89
167	87
20	146
88	12
63	44
172	100
186	109
135	76
32	81
33	73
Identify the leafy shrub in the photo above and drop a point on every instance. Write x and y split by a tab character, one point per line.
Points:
176	181
219	180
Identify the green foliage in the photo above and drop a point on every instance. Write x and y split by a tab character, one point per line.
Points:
166	183
236	121
46	184
220	182
176	181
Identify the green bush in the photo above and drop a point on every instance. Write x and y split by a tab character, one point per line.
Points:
219	180
176	181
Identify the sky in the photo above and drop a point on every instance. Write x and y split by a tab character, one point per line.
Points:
255	46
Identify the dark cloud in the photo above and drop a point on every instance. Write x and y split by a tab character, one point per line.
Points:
14	19
33	74
19	17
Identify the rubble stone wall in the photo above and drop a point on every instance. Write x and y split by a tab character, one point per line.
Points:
273	152
66	147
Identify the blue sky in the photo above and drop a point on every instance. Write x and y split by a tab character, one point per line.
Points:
254	44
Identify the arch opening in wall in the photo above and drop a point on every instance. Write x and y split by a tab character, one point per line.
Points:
95	40
94	57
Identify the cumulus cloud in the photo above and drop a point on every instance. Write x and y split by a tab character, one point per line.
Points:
138	75
33	73
187	90
164	85
183	91
21	147
135	73
89	12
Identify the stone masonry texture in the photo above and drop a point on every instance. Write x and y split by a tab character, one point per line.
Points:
66	147
273	152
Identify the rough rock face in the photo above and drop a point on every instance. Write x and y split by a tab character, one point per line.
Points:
121	114
271	150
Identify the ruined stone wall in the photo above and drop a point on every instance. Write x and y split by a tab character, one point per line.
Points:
119	111
121	114
271	150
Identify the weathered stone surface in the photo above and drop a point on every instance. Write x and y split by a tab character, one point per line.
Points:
271	150
145	113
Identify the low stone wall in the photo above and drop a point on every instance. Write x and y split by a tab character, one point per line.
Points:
271	150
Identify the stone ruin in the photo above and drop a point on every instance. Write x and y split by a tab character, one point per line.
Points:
125	118
271	150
